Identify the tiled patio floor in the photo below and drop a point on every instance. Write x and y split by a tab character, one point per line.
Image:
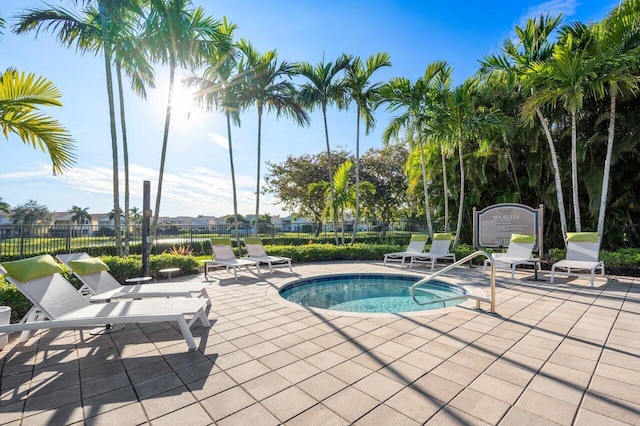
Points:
560	353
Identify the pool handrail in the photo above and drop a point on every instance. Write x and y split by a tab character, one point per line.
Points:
478	299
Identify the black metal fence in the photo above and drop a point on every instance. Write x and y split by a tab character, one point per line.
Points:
18	241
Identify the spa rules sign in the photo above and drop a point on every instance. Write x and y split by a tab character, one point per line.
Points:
493	226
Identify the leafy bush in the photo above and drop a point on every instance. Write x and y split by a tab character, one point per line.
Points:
131	266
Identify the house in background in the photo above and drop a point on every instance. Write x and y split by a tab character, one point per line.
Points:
4	218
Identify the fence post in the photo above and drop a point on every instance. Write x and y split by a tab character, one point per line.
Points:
68	242
21	234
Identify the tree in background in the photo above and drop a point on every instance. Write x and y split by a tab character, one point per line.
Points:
31	213
289	181
4	206
80	215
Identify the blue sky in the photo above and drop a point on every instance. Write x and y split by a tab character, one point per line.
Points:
197	174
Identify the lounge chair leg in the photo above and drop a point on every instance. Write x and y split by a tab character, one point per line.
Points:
186	333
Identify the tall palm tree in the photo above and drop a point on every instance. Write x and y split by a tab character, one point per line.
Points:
532	46
266	85
417	102
366	96
21	96
135	215
218	88
567	77
177	36
323	88
619	36
94	30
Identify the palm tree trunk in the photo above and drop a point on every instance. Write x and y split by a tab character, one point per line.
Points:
459	224
255	230
233	184
163	155
556	172
114	138
334	215
574	171
607	164
514	171
357	218
125	157
446	190
427	207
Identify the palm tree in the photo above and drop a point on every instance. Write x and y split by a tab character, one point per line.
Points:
619	36
265	84
135	215
532	46
568	76
80	215
344	193
94	30
218	88
464	121
322	89
21	96
178	36
418	102
366	96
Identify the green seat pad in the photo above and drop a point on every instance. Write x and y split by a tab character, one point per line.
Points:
253	240
582	237
220	241
416	237
443	236
523	238
88	266
34	267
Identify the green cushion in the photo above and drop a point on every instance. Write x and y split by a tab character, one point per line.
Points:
523	238
88	266
582	237
253	240
445	236
220	241
419	237
29	269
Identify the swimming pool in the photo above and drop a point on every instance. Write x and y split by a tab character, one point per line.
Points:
369	293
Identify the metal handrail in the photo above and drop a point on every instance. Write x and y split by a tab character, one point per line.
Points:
479	299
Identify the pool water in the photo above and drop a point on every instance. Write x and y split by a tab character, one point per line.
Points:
369	293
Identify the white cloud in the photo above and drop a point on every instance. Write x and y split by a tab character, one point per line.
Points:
219	140
42	171
552	8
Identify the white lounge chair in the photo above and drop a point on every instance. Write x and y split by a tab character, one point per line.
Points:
58	301
439	249
101	285
582	254
256	252
416	245
223	255
518	253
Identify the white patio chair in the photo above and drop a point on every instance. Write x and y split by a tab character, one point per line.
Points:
582	255
223	255
439	249
101	285
255	251
58	301
518	253
416	245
